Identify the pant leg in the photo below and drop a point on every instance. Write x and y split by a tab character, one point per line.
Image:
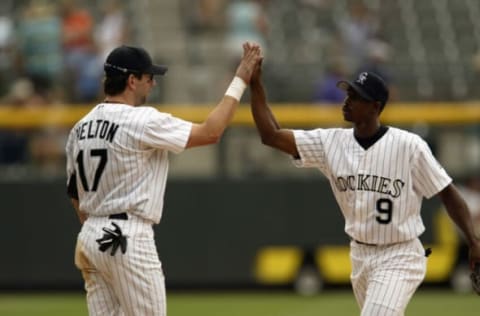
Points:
101	298
138	280
396	273
135	278
358	257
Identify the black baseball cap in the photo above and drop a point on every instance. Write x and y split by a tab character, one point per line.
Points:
129	59
368	85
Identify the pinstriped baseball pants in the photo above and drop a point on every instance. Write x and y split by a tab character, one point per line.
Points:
384	278
124	284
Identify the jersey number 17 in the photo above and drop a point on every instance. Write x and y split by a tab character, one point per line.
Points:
102	153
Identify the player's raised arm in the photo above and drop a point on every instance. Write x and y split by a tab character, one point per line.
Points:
268	128
212	128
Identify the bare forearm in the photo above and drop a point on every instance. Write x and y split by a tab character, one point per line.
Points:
458	211
268	128
221	116
266	123
211	130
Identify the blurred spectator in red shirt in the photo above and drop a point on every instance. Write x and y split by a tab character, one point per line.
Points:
81	60
77	27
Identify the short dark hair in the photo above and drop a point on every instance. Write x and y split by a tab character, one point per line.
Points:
114	85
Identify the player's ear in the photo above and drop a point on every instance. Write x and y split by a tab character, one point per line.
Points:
131	81
378	107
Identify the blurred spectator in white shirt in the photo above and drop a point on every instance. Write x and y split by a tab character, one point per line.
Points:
39	46
112	30
356	28
246	22
7	55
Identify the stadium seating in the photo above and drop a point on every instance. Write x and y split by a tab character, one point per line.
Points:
433	43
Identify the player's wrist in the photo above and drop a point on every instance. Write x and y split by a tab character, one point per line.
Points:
236	88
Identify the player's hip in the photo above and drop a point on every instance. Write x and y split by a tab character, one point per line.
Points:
105	242
404	255
130	225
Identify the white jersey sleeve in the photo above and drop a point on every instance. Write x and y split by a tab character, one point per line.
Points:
311	148
429	177
164	131
68	154
70	162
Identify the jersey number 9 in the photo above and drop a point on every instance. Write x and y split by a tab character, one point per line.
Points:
384	207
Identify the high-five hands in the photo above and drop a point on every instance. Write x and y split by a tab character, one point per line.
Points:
252	55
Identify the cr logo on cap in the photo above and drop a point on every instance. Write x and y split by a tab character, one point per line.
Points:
362	77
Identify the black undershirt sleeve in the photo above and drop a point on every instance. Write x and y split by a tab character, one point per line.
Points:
72	187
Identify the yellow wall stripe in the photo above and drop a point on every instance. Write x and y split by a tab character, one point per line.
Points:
287	114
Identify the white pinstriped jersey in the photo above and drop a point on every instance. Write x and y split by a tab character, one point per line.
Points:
119	155
380	189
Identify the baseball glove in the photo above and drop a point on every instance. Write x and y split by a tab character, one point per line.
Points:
475	277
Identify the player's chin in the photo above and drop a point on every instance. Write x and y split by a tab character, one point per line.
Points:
347	116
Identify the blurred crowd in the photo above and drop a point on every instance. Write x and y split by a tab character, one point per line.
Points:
59	46
358	45
52	52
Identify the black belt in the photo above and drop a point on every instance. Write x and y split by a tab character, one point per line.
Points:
122	216
364	243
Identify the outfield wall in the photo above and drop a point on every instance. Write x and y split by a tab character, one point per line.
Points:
209	234
287	114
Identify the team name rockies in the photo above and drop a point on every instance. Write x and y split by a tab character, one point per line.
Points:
367	182
102	129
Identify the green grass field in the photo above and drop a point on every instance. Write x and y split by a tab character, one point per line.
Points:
437	303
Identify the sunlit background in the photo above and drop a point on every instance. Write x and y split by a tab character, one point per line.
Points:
237	215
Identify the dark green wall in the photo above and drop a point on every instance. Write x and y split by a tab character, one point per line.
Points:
209	233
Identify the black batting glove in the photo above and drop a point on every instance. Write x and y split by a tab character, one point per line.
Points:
113	239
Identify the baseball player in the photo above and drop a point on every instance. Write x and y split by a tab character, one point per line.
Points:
117	164
379	176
